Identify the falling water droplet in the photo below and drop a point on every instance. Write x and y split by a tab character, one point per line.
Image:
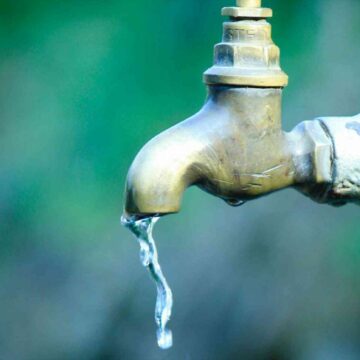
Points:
235	202
142	229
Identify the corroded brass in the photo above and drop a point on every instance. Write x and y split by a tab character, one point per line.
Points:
234	147
222	149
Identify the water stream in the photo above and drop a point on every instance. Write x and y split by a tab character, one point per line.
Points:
143	229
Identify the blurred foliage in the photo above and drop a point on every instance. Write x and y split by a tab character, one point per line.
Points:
84	84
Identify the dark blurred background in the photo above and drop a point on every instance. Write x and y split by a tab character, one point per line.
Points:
83	85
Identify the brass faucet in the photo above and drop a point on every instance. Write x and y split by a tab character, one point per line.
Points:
234	147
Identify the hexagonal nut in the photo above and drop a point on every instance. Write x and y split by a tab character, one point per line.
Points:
322	153
247	56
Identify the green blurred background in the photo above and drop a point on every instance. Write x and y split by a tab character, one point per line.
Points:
84	84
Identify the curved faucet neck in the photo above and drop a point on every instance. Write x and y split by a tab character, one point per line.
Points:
254	107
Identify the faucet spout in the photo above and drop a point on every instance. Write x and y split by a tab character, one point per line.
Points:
162	170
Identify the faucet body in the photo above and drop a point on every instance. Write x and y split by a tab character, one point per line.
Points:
222	149
234	147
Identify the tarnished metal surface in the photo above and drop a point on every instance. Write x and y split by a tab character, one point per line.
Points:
227	149
345	135
312	151
235	148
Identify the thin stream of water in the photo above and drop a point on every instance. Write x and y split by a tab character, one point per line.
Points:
143	229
